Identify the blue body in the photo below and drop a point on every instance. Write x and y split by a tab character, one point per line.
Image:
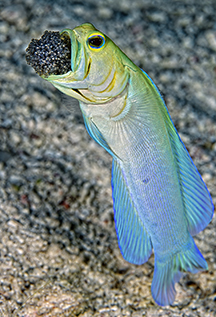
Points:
160	199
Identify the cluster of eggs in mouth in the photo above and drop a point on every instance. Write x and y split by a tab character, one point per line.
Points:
50	55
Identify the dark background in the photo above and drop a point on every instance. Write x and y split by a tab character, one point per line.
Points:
58	247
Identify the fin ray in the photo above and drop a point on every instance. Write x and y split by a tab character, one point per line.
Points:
134	241
193	188
96	134
198	204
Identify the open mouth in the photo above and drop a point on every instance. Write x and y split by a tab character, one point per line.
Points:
50	55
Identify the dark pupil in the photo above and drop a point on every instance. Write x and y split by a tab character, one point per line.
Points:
96	41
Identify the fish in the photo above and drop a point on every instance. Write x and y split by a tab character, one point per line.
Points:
159	198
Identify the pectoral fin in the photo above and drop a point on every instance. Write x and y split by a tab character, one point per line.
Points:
97	135
134	241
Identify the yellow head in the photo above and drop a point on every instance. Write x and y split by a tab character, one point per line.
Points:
97	69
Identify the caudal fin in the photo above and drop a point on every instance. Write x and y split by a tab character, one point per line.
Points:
167	273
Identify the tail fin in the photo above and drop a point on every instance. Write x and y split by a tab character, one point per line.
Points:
167	273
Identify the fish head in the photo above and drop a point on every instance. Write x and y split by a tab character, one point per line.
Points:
97	72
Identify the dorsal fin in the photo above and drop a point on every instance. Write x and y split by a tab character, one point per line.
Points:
199	208
134	241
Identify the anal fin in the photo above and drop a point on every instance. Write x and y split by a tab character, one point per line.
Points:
134	241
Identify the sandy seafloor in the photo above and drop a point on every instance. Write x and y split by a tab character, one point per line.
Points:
59	254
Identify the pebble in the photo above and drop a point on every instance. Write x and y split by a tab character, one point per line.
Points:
105	13
157	17
16	180
211	38
15	138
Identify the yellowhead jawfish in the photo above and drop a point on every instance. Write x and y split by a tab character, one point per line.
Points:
160	200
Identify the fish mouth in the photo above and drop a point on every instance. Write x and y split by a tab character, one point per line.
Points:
59	58
73	80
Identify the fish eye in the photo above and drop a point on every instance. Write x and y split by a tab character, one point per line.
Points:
96	41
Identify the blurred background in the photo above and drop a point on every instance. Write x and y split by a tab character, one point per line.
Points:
59	254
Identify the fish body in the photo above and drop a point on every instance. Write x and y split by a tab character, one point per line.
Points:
160	200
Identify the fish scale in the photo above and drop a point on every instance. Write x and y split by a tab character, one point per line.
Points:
149	208
147	166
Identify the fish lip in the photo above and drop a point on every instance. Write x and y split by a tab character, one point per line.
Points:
74	47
